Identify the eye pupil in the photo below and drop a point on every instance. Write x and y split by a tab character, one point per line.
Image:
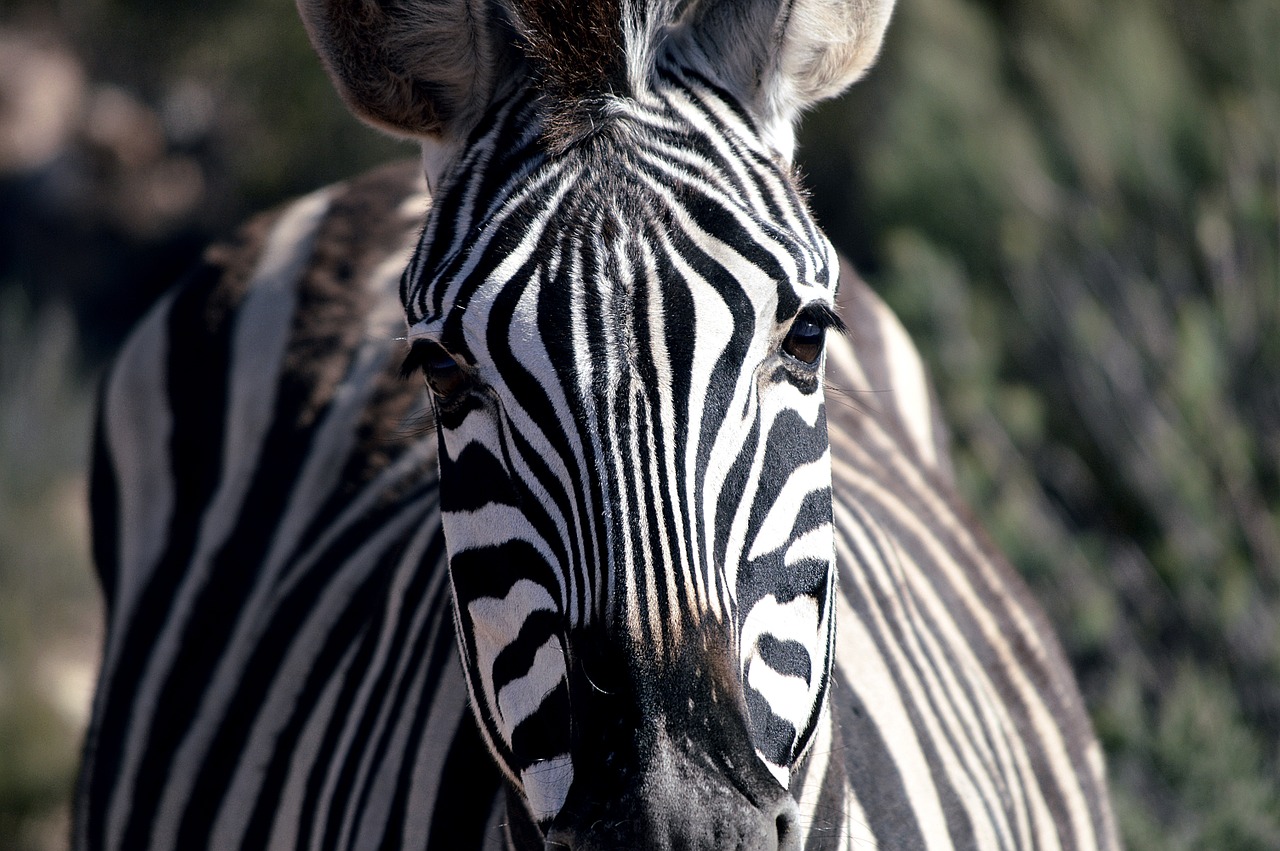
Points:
445	376
804	341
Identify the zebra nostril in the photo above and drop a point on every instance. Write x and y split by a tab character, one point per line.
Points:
786	823
559	840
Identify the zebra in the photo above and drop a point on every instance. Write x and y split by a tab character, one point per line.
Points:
584	559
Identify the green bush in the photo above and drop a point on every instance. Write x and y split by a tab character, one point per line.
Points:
49	621
1075	207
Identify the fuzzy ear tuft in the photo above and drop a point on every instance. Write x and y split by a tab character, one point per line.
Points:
422	68
829	44
783	56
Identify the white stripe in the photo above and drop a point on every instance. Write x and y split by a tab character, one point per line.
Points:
138	426
525	341
338	591
909	383
264	330
495	623
779	525
289	815
520	698
494	524
390	661
449	711
887	607
818	544
787	696
546	786
862	666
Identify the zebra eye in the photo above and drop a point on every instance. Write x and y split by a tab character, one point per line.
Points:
444	374
804	340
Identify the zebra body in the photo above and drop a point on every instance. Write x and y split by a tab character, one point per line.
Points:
695	606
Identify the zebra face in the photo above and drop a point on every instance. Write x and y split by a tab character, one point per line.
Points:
624	341
619	302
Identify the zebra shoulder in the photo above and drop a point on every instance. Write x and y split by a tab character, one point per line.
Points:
258	339
928	605
875	370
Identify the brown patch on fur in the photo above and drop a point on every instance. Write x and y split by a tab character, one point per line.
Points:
382	433
235	260
343	303
333	317
336	302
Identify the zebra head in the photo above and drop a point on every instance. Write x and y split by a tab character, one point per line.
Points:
619	303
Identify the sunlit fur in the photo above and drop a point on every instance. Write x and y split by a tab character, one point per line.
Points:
701	600
636	461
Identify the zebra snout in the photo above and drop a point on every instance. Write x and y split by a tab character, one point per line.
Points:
784	816
772	828
679	798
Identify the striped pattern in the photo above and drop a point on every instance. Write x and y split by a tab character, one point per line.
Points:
953	700
308	695
640	460
280	668
637	507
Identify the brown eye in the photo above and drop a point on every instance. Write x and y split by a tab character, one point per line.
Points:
804	340
445	376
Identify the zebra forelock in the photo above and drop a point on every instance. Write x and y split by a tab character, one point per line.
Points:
588	55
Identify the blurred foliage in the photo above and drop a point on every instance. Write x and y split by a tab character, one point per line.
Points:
1074	206
182	118
49	620
237	76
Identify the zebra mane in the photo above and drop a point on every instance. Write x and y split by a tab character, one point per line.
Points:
779	56
431	69
585	53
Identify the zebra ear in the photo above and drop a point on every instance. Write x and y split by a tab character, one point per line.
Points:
419	68
785	55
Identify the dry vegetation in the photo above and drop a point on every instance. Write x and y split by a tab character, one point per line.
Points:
1074	205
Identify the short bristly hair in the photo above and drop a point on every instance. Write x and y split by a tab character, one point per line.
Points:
430	68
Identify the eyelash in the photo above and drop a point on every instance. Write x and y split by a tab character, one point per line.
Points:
824	316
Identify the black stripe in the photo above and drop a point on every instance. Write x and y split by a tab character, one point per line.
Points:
443	653
587	537
773	736
196	382
1047	781
958	824
735	486
545	733
789	658
467	797
104	504
872	772
348	796
516	659
233	574
364	638
829	810
363	611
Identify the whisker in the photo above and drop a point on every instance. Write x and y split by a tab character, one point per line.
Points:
417	426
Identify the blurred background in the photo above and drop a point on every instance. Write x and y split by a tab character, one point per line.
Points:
1073	205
